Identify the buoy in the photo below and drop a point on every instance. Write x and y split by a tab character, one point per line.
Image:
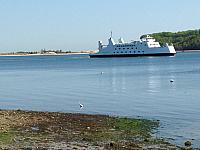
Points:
188	143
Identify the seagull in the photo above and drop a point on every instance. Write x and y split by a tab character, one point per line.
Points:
171	80
80	105
102	72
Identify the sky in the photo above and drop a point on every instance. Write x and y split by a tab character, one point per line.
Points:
32	25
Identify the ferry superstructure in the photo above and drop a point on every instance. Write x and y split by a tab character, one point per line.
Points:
147	46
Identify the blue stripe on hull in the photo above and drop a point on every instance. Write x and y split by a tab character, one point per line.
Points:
130	55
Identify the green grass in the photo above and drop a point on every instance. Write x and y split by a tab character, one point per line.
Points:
6	137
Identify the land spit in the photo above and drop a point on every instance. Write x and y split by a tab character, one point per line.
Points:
55	130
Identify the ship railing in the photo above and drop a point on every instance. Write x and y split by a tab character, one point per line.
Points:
104	45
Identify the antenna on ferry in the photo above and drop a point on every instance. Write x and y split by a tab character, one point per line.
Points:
110	34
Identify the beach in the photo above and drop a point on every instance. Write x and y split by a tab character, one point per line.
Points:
57	130
46	54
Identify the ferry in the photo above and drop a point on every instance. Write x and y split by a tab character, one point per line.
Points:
147	46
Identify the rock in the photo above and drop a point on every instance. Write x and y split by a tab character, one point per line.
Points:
35	128
111	144
188	143
146	140
112	129
18	110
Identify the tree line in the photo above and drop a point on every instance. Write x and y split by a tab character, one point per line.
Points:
183	40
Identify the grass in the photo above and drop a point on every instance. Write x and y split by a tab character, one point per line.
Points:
6	137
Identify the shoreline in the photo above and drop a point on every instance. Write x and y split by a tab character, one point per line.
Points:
62	54
188	50
48	130
73	53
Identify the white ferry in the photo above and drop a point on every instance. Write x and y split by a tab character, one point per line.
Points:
147	46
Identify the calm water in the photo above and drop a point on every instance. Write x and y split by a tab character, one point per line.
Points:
128	87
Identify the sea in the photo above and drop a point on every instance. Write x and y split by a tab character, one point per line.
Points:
161	88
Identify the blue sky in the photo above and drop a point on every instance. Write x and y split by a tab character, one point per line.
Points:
78	24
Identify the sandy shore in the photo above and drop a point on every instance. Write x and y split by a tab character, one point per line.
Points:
54	130
42	54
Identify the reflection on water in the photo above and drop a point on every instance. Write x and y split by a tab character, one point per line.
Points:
113	80
153	84
153	80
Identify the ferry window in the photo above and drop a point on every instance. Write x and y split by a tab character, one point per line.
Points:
114	52
119	48
115	48
131	48
138	51
125	51
127	48
134	51
136	48
121	52
130	51
117	52
143	51
123	48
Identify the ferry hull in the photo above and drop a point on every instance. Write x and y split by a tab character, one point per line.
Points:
129	55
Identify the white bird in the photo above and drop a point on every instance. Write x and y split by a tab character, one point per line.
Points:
171	80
